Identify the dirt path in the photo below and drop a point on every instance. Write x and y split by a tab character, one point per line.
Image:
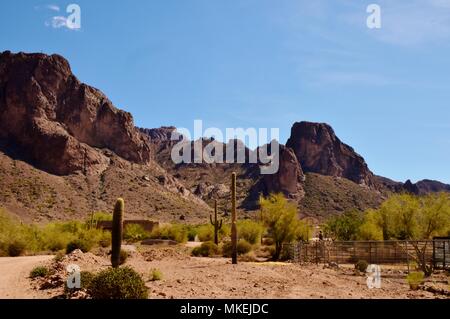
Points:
13	276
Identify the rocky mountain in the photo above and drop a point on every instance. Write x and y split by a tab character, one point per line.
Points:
66	150
58	125
320	151
58	122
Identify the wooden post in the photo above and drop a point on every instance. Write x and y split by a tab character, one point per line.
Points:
233	220
407	256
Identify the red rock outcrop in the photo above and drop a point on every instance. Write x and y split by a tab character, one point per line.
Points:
289	178
320	151
58	123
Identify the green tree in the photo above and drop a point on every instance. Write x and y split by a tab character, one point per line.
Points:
280	218
345	226
409	217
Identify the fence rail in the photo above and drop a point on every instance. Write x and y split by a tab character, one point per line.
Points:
436	251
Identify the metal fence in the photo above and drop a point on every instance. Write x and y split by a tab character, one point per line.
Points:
436	251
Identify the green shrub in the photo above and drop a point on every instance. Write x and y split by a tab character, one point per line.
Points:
191	232
415	279
123	257
362	265
118	283
156	274
205	233
206	249
59	256
81	244
39	271
53	236
134	233
86	278
250	230
16	248
176	232
243	247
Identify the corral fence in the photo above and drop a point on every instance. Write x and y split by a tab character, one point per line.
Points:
436	251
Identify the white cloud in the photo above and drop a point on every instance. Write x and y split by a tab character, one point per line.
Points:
52	7
57	22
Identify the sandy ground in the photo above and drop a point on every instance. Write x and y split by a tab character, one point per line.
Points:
196	277
14	272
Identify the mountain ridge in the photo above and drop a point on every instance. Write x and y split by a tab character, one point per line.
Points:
69	134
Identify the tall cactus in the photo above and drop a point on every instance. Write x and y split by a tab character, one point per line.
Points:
117	230
217	224
233	220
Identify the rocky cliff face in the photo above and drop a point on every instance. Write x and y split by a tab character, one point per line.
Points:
162	134
320	151
58	123
289	179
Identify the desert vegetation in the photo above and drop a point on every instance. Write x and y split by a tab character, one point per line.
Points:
402	217
17	238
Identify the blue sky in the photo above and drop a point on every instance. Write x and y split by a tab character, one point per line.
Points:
261	63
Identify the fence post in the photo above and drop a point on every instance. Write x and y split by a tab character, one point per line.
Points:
370	252
443	262
407	256
434	253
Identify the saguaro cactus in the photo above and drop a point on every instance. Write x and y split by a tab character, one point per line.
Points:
233	220
217	224
117	230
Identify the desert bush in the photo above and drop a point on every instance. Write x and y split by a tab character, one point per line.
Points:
80	244
51	237
250	230
206	249
59	256
134	233
118	283
206	232
123	257
243	247
175	232
16	248
362	265
415	279
39	271
156	275
191	232
86	278
249	257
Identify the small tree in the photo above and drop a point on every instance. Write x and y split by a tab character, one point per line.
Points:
280	217
345	226
413	218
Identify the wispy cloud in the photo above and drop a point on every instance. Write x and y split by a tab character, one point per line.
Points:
57	22
53	7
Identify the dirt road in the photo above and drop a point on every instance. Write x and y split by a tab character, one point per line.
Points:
13	276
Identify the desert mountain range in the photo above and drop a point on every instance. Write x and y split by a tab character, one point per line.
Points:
66	150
